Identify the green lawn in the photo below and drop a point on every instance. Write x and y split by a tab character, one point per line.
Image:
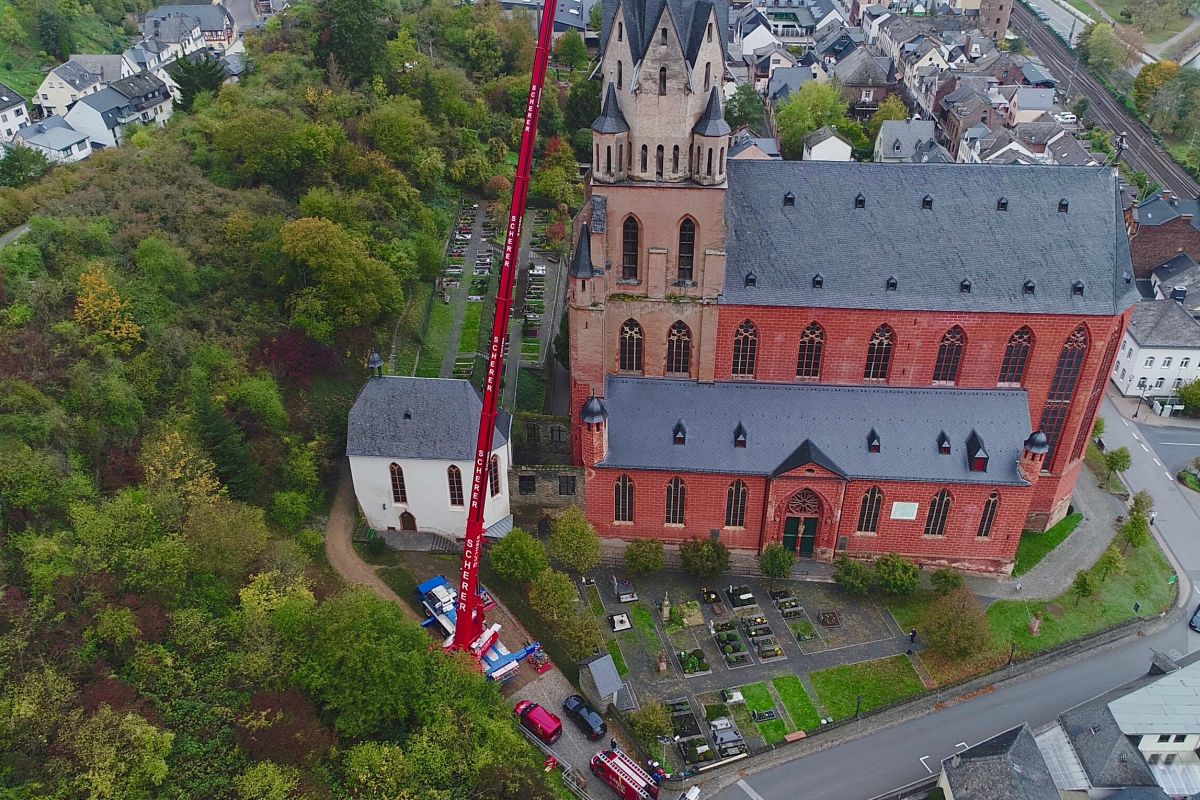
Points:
1114	8
531	391
773	732
758	697
614	650
880	683
437	335
593	597
411	324
715	711
1095	462
468	337
643	622
1189	480
1036	546
795	699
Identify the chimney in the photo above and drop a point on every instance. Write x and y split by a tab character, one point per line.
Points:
955	760
1179	293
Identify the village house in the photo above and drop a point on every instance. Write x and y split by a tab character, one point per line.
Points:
54	138
13	114
1163	226
826	144
1160	351
141	99
215	22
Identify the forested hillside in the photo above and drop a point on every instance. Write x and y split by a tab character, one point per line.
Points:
182	331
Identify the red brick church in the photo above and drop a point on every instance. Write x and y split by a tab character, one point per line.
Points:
844	357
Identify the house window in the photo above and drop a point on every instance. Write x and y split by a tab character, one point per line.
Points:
989	516
1158	384
645	156
896	146
454	479
1166	362
1178	382
676	501
1180	738
494	475
735	505
623	500
1016	356
1062	387
868	95
868	511
399	495
949	356
1184	363
808	363
631	347
679	349
566	485
879	354
745	350
558	434
675	160
1164	738
631	232
1142	383
707	75
687	249
939	512
662	80
1149	362
527	484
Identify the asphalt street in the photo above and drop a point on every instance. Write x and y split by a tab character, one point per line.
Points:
1175	447
1066	22
908	752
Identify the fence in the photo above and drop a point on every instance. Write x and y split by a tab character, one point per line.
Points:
573	779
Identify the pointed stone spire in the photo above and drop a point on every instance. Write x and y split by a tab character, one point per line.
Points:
611	120
712	122
581	262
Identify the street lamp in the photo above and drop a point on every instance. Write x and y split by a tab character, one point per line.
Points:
858	705
1141	400
1012	650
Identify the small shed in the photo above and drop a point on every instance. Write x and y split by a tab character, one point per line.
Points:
600	681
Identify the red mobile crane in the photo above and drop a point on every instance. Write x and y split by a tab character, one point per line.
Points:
468	627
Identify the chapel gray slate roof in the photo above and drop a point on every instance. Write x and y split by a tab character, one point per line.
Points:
823	424
441	424
930	252
1108	757
1006	767
642	16
712	121
1164	323
611	120
821	134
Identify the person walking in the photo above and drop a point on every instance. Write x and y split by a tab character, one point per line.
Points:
912	636
1153	516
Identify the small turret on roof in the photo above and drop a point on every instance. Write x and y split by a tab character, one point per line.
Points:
581	262
712	121
611	120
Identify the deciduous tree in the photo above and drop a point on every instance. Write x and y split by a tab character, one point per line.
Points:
1110	562
946	580
22	166
574	545
553	595
111	755
226	537
570	51
580	634
704	558
853	576
1136	531
892	108
744	108
1084	585
814	106
650	721
644	556
518	557
1117	460
955	625
1150	79
355	34
99	308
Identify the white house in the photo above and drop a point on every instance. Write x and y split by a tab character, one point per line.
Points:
54	138
103	116
411	444
1163	721
826	144
1160	352
64	85
13	114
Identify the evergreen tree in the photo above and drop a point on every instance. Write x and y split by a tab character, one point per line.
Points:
354	35
228	447
205	75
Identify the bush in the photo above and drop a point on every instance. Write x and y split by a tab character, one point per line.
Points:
649	722
574	544
852	576
776	561
896	575
704	558
955	625
580	635
945	581
553	595
644	556
290	510
518	557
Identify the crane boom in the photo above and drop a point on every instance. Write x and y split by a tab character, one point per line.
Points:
469	626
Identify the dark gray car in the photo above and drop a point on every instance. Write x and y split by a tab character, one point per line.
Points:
586	717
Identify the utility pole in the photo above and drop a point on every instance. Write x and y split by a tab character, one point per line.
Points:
1074	57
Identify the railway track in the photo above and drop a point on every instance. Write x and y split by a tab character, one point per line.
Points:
1142	152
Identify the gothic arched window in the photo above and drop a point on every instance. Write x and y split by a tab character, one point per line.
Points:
454	482
989	515
1062	388
812	342
879	354
623	500
1016	356
735	505
630	245
399	494
949	356
868	511
687	249
939	513
679	349
631	346
745	350
676	501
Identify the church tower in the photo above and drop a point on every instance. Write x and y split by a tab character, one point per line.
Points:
649	261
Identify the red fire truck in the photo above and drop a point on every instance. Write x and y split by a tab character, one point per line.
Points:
624	776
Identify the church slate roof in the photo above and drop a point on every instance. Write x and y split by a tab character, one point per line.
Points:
611	120
712	121
825	425
641	19
581	262
441	425
929	251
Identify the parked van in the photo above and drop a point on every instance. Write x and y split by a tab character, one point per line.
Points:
541	723
1066	118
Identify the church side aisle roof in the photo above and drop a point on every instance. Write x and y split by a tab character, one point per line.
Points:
779	418
932	227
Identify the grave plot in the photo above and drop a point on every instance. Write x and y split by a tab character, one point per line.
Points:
741	598
729	641
762	639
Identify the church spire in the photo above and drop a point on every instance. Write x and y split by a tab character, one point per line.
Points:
712	121
611	120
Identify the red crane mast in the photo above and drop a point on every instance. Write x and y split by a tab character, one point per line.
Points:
469	624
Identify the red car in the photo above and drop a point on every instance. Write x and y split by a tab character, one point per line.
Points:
541	723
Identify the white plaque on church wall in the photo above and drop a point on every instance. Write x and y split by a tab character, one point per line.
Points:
904	510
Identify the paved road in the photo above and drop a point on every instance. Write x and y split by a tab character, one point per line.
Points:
894	756
1175	446
1143	152
1066	21
459	294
